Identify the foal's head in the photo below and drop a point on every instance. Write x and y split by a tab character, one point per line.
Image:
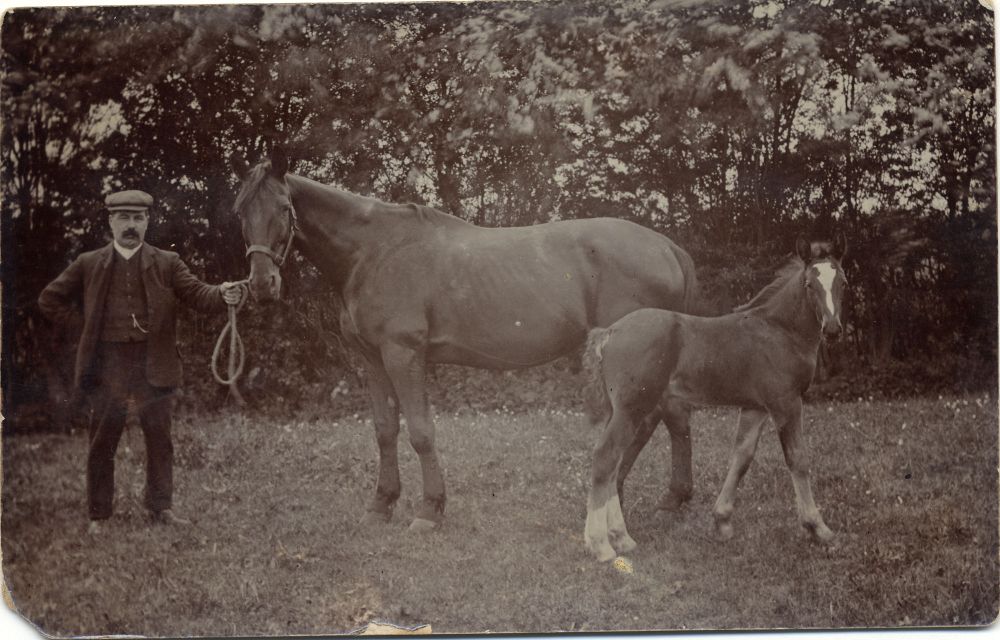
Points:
264	206
824	280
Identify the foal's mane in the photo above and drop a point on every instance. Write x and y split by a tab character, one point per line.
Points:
783	275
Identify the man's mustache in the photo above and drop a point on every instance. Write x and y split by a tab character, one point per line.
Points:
130	233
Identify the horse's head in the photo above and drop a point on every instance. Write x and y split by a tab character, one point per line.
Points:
264	206
824	280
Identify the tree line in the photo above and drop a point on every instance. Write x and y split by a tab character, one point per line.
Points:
731	126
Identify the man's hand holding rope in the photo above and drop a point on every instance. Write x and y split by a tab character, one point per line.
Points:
235	294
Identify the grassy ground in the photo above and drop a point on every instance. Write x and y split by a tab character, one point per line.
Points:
909	486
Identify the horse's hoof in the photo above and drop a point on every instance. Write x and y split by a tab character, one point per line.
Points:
671	501
375	518
422	525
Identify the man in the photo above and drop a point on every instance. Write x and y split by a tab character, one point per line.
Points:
129	290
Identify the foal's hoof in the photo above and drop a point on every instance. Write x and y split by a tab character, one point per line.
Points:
624	543
603	552
375	518
672	501
422	525
820	533
723	531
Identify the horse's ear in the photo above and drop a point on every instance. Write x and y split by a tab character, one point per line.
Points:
279	162
240	166
803	248
840	246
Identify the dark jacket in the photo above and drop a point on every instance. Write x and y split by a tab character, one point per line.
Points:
166	279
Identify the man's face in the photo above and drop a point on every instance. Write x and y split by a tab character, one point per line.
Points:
128	227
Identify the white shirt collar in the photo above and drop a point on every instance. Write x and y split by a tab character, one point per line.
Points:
126	253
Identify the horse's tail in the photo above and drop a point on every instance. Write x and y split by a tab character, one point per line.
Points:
596	401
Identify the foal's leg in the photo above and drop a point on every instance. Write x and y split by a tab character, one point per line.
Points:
646	428
605	524
789	420
385	409
677	416
747	436
406	368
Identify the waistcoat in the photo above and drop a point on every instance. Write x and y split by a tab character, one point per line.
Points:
125	306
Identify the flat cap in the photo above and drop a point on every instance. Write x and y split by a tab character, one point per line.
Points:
131	200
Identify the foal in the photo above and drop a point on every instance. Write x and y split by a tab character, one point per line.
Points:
760	358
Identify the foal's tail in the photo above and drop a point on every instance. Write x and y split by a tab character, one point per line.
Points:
596	401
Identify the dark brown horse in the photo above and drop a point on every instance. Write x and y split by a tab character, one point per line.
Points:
760	358
420	286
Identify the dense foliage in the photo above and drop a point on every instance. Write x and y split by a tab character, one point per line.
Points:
731	126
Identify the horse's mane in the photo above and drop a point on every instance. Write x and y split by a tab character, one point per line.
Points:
783	275
255	181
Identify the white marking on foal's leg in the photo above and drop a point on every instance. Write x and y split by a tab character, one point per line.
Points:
620	539
827	274
595	533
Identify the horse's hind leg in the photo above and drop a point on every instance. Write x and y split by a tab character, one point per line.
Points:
406	368
385	411
677	416
605	524
747	436
790	431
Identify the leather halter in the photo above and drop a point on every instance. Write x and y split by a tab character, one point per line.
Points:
278	259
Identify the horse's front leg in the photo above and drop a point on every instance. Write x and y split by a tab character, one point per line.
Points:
789	420
747	436
406	368
385	409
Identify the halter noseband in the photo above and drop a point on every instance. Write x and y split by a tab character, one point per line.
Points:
278	259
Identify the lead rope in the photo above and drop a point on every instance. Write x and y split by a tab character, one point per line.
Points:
237	355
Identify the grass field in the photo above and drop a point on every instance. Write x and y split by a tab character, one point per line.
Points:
275	547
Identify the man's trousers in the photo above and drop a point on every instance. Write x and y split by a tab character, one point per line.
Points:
122	367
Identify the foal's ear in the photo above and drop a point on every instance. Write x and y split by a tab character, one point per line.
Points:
839	246
240	166
279	162
803	248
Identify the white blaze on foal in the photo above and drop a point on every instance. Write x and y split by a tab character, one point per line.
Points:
827	274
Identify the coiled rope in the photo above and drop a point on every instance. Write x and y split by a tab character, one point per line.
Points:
237	355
